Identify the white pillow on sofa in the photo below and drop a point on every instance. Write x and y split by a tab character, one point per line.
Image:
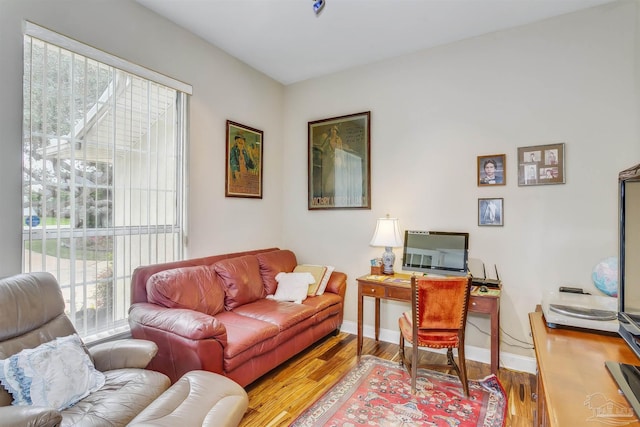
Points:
56	374
292	286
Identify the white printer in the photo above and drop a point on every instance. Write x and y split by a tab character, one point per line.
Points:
583	311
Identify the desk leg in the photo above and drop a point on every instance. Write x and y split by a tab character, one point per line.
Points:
359	344
377	332
495	337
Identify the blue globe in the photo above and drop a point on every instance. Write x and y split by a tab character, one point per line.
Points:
605	276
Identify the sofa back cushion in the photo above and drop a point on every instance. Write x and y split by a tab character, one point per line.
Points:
196	288
272	263
241	280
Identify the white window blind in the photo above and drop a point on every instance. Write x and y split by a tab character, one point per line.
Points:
103	168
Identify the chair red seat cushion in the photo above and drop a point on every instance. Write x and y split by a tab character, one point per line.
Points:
434	339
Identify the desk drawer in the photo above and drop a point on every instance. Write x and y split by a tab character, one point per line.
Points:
371	289
481	304
399	294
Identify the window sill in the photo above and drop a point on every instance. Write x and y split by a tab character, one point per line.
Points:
122	332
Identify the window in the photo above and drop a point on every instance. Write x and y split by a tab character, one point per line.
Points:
103	165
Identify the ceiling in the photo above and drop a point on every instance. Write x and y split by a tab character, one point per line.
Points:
287	41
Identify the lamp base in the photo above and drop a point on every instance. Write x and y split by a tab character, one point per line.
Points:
388	259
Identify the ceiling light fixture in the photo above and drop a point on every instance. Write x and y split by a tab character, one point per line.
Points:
317	6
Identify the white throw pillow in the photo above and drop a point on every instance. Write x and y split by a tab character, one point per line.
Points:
317	271
325	280
292	286
56	374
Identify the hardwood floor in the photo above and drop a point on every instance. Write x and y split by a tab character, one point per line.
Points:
281	395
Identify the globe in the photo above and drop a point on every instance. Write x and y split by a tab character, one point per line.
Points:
605	276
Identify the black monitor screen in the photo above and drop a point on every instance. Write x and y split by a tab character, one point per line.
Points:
437	252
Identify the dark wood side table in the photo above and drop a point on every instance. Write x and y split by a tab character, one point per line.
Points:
397	287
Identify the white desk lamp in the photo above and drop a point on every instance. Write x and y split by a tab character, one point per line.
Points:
387	234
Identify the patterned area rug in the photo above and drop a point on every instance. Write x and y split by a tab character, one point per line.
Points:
377	392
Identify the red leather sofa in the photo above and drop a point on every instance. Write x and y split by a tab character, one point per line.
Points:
212	314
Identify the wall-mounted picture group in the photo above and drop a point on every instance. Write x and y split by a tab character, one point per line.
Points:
537	165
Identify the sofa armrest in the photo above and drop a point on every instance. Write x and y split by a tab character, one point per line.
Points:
128	353
198	398
186	323
29	416
337	284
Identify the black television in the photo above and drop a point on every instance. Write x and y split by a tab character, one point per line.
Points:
627	375
436	252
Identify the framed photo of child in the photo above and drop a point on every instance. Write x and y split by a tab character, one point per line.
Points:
492	170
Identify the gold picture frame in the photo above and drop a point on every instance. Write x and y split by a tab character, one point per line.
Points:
541	164
492	170
243	177
339	167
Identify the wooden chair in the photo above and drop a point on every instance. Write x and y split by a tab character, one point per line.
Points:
437	320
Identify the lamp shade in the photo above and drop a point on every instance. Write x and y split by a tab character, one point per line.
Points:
387	233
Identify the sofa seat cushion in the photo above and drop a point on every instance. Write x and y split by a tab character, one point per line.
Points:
325	305
195	288
270	346
280	313
321	302
245	333
125	394
272	263
241	280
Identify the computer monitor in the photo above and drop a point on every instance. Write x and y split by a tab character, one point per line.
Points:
628	375
436	252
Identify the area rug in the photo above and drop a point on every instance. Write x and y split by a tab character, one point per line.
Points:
377	392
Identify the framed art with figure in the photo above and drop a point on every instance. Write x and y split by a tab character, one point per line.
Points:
243	176
541	164
491	212
339	170
492	170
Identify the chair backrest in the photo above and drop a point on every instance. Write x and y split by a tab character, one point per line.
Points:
440	303
31	313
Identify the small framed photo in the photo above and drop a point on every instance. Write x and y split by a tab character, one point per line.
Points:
491	212
243	176
492	170
541	165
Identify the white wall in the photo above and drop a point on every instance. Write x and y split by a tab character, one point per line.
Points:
571	79
223	88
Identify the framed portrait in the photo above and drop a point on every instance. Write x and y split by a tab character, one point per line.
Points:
243	176
339	169
541	164
491	212
492	170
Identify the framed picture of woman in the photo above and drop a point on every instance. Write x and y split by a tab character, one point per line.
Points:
491	212
338	162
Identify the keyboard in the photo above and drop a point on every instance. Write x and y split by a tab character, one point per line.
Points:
584	313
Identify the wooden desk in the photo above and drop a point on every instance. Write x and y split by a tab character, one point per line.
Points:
398	288
574	386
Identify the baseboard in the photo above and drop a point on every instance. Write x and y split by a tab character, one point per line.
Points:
515	362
